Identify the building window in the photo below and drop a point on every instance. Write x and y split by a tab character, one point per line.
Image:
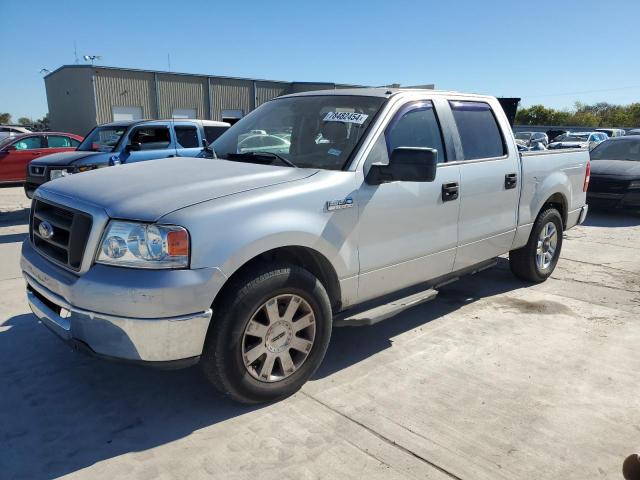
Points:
124	113
232	116
184	113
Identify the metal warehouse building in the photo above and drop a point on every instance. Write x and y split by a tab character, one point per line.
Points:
82	96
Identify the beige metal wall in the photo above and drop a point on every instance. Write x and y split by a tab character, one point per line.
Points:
124	88
181	91
231	94
266	91
70	100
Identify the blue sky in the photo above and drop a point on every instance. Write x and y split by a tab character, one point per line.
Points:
545	52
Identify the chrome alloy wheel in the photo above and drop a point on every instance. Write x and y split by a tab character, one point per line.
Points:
547	244
278	338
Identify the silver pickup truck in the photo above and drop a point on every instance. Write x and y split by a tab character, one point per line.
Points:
244	262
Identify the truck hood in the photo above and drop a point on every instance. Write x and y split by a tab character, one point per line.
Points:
69	158
621	168
146	191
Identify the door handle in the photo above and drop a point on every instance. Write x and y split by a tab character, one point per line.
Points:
510	180
450	191
171	156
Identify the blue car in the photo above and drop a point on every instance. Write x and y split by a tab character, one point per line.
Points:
126	142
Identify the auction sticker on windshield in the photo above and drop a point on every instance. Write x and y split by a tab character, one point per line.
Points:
347	117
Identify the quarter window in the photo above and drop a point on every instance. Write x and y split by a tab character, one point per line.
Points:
187	136
213	133
479	132
416	125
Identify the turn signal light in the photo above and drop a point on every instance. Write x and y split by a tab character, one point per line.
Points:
178	243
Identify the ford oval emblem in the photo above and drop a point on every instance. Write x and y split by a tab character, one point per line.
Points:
45	229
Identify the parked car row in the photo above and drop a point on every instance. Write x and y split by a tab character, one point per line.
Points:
578	140
38	157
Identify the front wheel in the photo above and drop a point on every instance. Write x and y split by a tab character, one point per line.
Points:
536	261
269	334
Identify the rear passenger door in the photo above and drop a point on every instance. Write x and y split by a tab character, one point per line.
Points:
489	182
188	139
148	142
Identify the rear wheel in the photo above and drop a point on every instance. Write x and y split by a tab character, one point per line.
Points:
536	261
269	334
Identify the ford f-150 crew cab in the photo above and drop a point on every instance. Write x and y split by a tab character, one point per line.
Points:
244	262
126	142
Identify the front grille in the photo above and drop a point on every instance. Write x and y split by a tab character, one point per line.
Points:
606	185
64	236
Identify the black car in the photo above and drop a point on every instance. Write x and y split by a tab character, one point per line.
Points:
615	173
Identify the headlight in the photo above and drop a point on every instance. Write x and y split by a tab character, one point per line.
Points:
635	184
60	172
143	245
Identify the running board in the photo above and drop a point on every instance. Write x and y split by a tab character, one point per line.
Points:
382	312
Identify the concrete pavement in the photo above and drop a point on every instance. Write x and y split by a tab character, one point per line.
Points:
493	379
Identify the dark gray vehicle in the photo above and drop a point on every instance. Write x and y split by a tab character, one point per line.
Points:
615	173
126	142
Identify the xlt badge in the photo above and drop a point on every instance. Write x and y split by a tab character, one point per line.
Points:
339	204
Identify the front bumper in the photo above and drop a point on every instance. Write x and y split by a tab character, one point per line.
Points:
158	320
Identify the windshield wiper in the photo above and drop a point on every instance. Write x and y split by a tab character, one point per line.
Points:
262	155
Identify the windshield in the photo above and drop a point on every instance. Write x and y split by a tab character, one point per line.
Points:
309	131
102	139
6	140
617	150
523	135
573	137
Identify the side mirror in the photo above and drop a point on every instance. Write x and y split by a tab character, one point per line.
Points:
204	143
134	147
10	148
407	164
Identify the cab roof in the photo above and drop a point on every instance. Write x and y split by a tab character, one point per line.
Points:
381	92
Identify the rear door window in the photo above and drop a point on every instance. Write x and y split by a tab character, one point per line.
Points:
187	136
480	134
58	141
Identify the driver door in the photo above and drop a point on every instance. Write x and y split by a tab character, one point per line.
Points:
408	230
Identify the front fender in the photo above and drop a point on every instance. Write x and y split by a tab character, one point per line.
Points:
227	233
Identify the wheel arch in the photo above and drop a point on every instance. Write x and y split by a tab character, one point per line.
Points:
305	257
559	202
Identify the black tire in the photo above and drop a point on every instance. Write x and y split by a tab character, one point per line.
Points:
523	260
222	357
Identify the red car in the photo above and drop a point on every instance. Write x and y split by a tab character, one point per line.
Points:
16	152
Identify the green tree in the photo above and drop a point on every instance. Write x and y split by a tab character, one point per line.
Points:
25	121
5	118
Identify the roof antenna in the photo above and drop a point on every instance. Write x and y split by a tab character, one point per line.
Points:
169	62
75	52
